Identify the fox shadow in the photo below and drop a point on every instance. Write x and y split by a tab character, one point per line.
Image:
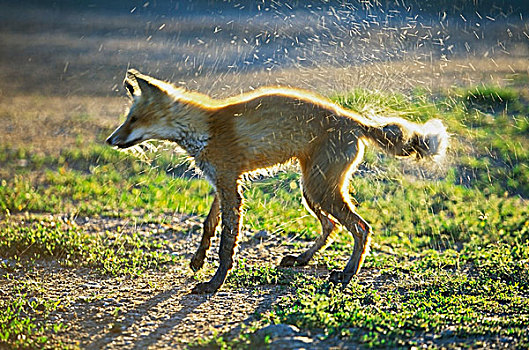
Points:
177	310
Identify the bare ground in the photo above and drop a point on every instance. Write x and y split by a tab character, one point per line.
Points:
156	309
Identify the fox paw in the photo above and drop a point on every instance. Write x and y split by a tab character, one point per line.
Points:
204	288
288	261
336	277
291	260
196	263
340	277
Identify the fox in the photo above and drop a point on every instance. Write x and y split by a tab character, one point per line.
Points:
230	139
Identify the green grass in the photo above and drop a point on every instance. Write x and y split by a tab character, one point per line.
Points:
478	291
115	253
449	261
23	320
98	180
492	99
245	276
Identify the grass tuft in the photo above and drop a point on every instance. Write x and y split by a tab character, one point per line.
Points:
115	253
492	99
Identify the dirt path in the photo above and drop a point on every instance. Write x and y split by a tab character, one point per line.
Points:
156	309
153	311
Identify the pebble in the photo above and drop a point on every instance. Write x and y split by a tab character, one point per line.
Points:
294	343
284	336
277	331
109	301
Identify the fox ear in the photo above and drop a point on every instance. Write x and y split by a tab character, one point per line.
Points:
131	84
141	84
132	87
133	73
148	86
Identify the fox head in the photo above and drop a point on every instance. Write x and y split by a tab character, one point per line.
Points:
152	114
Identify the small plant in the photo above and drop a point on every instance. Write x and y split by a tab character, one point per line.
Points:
22	321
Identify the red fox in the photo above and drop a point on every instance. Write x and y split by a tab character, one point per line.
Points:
234	137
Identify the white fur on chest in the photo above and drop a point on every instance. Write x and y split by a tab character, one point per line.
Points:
192	143
188	128
207	170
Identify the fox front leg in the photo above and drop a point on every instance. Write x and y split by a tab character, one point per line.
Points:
230	202
209	227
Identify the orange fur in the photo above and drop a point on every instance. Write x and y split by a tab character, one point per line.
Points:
233	137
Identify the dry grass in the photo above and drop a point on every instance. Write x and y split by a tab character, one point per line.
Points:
86	54
48	124
402	76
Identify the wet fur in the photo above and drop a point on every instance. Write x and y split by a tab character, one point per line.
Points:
231	138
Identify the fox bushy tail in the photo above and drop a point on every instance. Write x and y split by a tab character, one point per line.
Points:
402	138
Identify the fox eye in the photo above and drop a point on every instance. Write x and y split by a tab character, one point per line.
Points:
133	119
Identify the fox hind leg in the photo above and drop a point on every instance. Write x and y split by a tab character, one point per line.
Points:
361	232
326	180
209	227
327	227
